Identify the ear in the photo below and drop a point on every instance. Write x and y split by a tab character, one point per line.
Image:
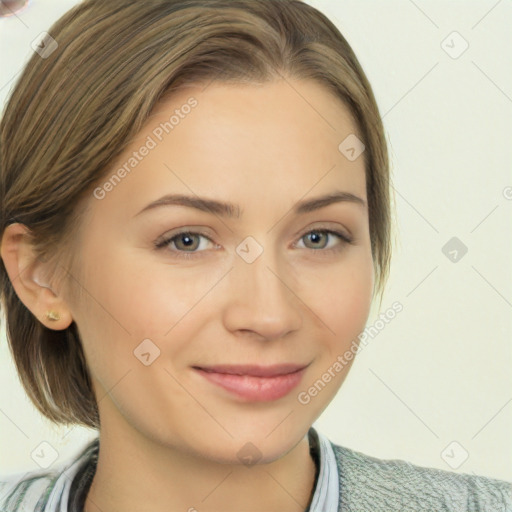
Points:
26	273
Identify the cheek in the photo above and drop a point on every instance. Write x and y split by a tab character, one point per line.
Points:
129	301
133	295
341	296
342	300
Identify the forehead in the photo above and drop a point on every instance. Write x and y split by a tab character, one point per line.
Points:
291	110
239	142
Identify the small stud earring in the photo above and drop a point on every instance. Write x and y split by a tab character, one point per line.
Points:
53	315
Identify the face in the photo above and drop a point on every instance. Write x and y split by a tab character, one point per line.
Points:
171	290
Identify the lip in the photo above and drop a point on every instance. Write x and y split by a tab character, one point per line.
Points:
255	383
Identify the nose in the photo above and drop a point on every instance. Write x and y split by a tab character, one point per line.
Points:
262	300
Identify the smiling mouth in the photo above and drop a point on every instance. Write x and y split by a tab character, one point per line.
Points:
254	383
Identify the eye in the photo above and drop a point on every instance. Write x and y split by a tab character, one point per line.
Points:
318	237
187	244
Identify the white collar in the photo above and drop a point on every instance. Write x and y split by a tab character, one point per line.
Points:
327	491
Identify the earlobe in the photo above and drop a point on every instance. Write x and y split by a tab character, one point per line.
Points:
26	273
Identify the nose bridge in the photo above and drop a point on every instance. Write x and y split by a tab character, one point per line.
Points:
263	300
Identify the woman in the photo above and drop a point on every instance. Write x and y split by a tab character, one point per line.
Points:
196	220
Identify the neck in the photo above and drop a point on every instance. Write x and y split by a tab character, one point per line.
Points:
135	473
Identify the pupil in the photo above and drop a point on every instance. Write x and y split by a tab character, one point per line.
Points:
314	237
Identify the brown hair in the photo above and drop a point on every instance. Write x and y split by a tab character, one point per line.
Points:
71	113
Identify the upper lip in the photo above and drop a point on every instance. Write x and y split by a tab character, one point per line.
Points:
254	370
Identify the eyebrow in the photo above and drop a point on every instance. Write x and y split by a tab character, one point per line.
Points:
230	210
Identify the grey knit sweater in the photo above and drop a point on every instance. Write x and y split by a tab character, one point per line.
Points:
371	484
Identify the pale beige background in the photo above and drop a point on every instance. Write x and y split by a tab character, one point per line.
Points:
439	372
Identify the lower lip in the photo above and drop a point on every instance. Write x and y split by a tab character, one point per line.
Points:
255	389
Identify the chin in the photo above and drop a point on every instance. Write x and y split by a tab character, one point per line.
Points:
253	447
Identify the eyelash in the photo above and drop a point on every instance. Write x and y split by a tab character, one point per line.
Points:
162	243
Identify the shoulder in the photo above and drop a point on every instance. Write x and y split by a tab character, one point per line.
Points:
369	483
45	490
